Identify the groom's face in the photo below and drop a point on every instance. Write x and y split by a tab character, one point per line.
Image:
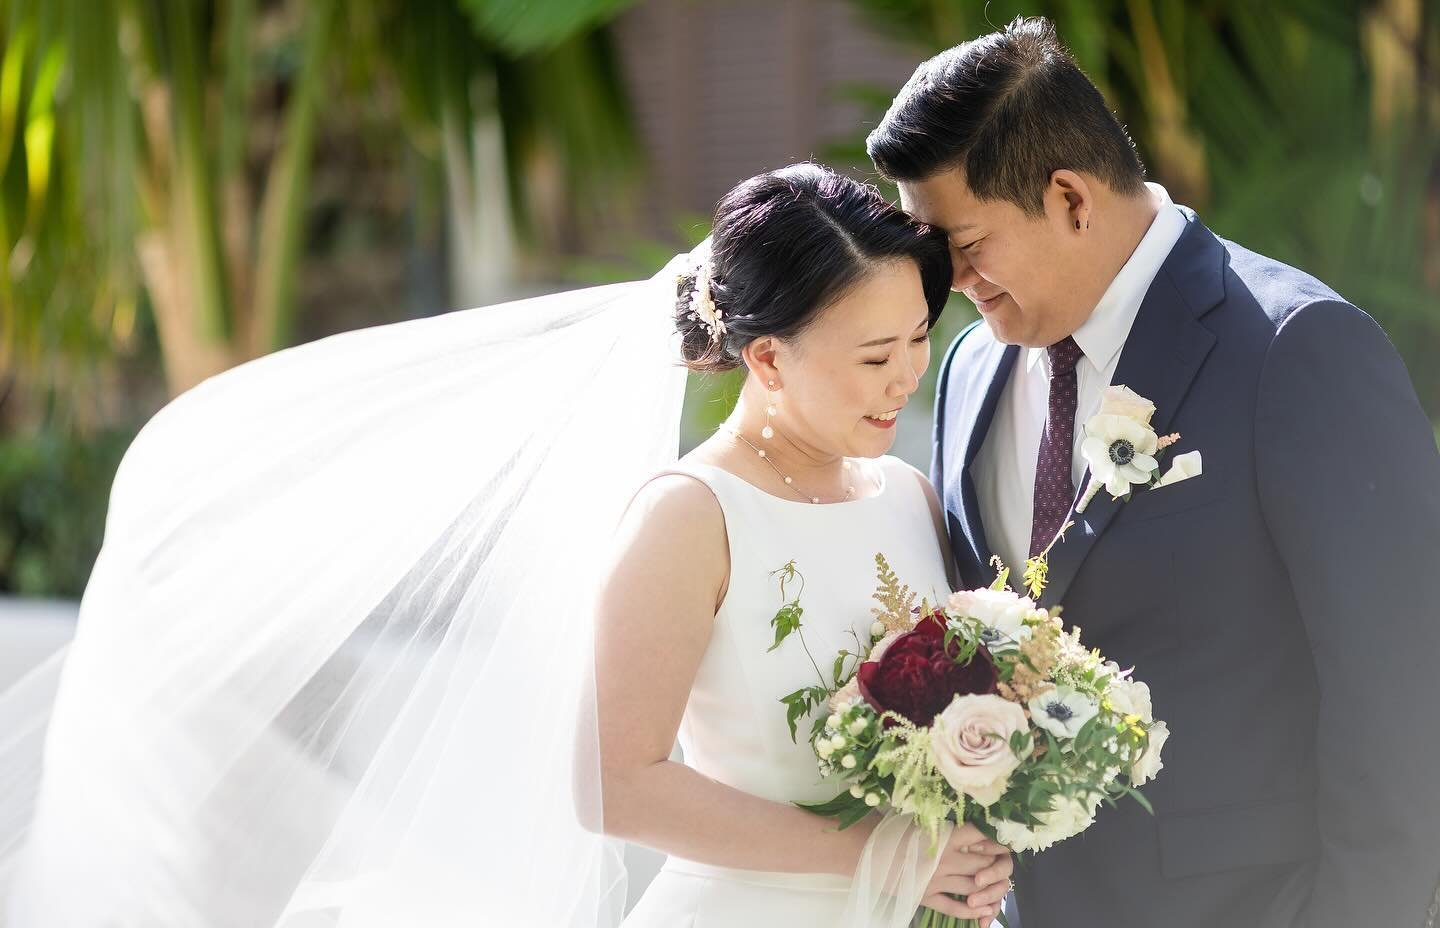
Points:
1020	271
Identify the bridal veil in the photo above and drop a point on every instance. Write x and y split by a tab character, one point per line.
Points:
333	665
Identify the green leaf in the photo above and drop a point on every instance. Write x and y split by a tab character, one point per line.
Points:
1140	798
853	814
831	807
787	620
531	25
795	707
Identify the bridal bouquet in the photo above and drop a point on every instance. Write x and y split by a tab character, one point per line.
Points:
984	709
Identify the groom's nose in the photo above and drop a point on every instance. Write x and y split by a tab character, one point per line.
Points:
963	275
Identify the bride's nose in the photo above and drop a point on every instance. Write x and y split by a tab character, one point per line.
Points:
907	383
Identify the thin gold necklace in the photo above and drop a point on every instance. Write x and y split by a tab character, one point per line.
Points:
790	481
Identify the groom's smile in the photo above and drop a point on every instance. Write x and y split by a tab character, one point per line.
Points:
988	304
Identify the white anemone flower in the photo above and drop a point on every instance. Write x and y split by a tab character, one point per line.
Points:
1121	453
1063	711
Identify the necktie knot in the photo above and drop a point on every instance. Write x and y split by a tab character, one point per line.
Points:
1064	355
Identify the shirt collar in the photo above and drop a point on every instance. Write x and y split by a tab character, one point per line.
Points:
1104	333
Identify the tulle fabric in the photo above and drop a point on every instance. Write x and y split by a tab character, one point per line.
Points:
333	666
898	861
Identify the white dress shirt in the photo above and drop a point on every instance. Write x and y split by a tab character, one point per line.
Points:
1004	469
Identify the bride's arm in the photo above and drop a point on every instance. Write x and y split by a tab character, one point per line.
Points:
656	610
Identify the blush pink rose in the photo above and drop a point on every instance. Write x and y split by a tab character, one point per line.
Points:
971	741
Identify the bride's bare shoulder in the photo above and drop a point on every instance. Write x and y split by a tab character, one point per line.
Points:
676	509
674	529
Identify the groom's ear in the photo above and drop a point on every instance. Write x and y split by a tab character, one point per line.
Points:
1070	194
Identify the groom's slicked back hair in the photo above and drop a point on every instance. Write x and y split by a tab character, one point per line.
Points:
1009	109
788	244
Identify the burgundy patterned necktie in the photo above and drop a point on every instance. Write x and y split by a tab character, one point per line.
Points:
1054	491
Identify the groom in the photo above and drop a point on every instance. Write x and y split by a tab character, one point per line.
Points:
1283	604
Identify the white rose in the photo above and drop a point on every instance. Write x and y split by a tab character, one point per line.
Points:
1130	697
1001	610
1120	400
971	742
1149	763
1066	819
1063	711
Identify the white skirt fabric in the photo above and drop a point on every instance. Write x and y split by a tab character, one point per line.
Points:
686	894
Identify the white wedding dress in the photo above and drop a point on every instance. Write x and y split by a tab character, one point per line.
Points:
734	727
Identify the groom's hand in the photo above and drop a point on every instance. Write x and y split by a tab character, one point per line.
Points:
973	868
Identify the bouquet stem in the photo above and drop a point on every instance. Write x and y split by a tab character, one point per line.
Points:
929	918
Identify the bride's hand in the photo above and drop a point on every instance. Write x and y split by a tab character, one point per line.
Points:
974	868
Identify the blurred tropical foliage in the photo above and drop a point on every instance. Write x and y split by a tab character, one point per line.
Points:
1307	130
157	160
165	166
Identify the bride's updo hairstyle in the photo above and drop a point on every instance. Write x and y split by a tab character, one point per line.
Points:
785	246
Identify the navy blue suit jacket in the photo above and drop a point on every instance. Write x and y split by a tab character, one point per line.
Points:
1284	607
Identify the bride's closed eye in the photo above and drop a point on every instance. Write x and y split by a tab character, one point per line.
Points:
919	340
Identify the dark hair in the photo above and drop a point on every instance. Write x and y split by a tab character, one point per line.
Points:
787	244
1009	108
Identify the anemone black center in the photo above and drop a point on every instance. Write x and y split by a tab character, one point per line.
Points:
1122	452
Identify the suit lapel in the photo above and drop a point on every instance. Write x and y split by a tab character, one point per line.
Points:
986	378
1161	357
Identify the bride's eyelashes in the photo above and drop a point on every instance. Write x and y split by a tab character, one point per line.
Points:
914	341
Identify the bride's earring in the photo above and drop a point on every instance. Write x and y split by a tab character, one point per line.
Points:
767	432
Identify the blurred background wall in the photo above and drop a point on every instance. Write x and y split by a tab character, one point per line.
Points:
187	184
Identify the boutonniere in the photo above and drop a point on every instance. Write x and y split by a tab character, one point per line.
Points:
1123	450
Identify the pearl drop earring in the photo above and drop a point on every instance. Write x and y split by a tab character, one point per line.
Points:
767	432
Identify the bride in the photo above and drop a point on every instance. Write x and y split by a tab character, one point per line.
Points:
363	646
826	295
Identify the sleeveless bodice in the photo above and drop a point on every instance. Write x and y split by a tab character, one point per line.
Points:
734	725
733	729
